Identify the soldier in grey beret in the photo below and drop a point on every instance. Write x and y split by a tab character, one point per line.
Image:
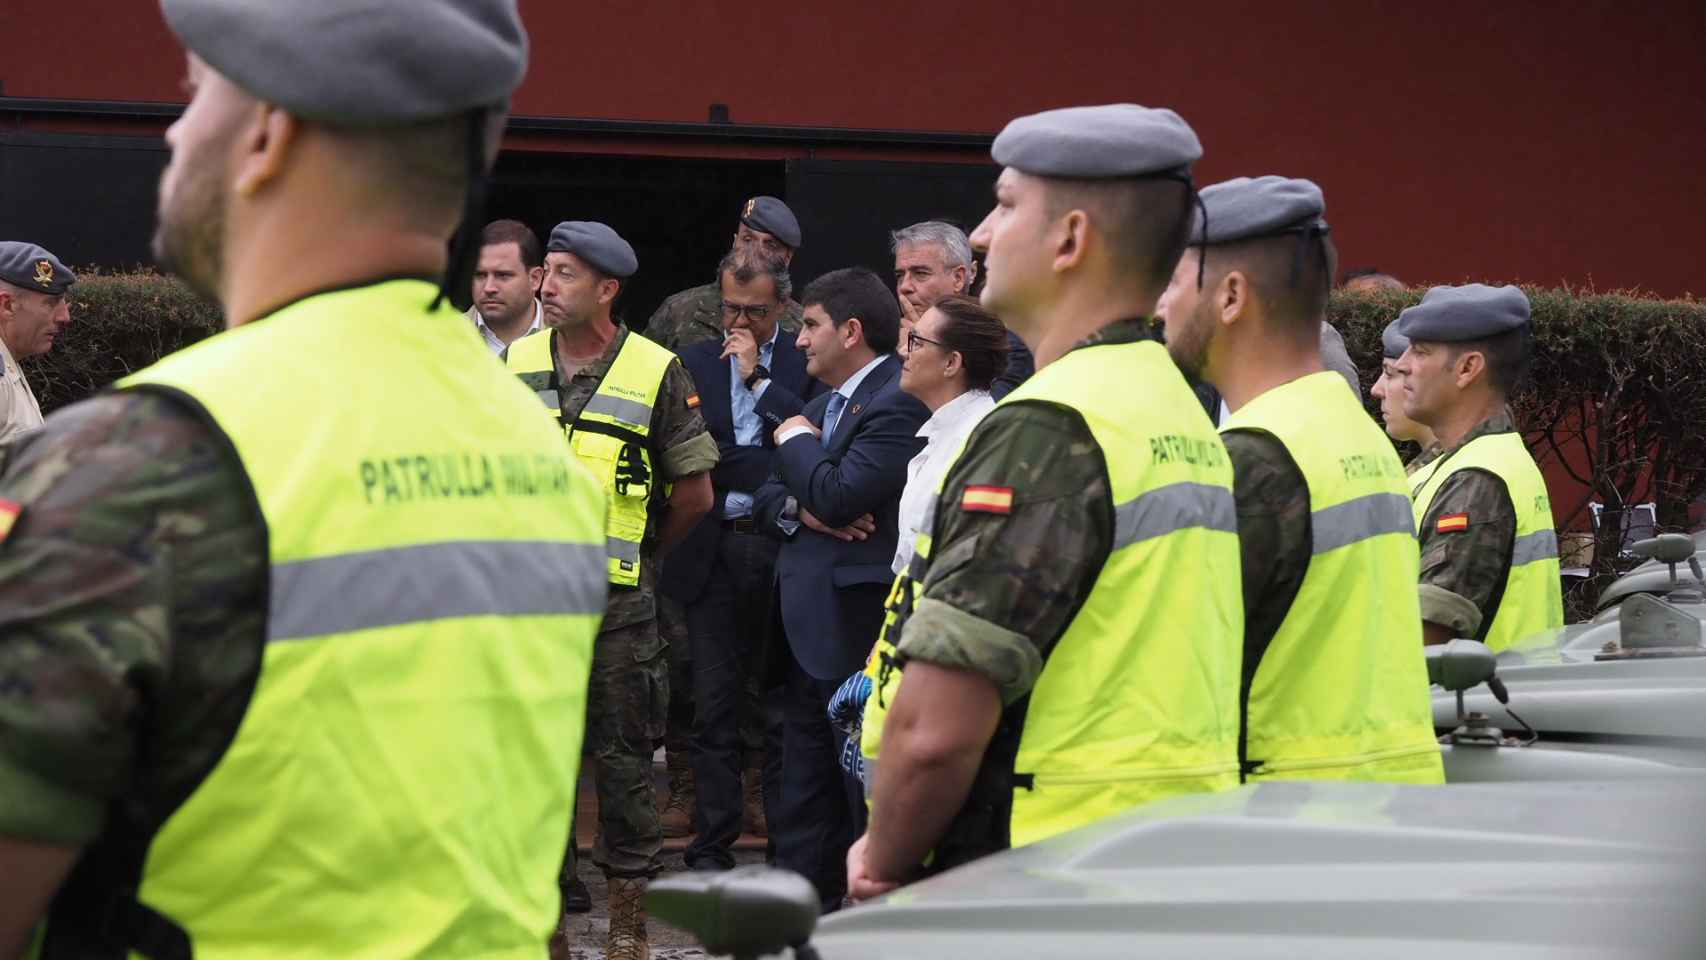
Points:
1489	550
1092	210
655	459
766	227
1388	388
348	490
33	309
1253	330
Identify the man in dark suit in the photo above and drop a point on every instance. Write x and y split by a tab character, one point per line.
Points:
749	383
840	468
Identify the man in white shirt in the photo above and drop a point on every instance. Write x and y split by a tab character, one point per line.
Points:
933	260
34	307
506	284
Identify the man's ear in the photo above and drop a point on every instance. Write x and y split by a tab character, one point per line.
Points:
962	278
1074	229
263	146
1469	365
1233	295
536	278
607	289
852	336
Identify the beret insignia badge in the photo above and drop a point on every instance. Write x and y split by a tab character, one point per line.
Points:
749	205
44	272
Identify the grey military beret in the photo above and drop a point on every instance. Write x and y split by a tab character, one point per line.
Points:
360	62
1116	140
597	244
1245	208
1392	343
1471	312
33	268
773	217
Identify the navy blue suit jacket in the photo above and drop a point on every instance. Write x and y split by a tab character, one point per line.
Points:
832	592
740	468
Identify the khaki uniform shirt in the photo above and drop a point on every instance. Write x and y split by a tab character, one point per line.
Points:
19	412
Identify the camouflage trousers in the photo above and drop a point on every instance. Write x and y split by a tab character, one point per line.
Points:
678	727
626	698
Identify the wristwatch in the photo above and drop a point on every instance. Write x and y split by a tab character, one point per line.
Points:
758	373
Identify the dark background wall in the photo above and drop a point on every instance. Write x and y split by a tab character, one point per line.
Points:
1524	139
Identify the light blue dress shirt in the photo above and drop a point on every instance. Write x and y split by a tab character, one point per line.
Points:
749	427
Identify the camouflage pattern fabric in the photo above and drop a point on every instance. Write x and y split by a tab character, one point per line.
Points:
696	314
678	646
132	612
1273	535
627	698
1427	456
1463	572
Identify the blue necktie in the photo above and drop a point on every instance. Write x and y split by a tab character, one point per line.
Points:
832	417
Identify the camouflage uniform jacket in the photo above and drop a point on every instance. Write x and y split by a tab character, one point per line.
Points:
696	314
1429	454
1273	535
1463	572
681	446
132	615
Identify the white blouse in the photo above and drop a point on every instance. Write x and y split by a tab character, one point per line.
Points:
943	434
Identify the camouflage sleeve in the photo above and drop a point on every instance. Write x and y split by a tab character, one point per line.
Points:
1463	571
1002	586
664	324
1273	533
136	530
684	445
791	315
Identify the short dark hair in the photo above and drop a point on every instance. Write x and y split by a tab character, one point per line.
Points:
977	335
747	266
518	233
1508	355
1146	219
857	292
1293	276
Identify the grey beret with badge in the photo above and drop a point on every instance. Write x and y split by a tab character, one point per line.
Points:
1105	142
1392	343
601	247
360	62
31	267
1246	208
1471	312
773	217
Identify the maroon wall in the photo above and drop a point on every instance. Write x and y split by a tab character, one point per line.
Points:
1522	140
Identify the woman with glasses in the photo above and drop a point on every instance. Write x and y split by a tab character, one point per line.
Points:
950	357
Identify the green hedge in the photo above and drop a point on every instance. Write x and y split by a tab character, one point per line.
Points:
120	322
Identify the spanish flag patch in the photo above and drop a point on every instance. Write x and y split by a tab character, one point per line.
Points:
8	516
987	500
1452	523
693	401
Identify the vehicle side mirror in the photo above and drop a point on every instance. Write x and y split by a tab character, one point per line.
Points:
1461	665
1666	548
746	912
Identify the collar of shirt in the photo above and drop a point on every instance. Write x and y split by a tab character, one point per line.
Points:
952	413
492	339
597	368
852	384
1501	422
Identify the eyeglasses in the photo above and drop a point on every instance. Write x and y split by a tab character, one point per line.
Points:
913	340
753	311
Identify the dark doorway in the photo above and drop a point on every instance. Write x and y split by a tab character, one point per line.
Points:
847	207
89	199
679	214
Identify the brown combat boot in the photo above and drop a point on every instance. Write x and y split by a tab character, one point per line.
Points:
627	940
752	784
677	816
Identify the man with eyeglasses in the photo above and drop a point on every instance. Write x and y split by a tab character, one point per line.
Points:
766	228
748	385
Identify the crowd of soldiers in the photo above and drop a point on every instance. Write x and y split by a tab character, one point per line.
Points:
303	629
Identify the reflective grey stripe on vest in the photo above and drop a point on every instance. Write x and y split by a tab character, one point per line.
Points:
552	400
1357	520
1169	509
631	412
434	581
617	548
1539	545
